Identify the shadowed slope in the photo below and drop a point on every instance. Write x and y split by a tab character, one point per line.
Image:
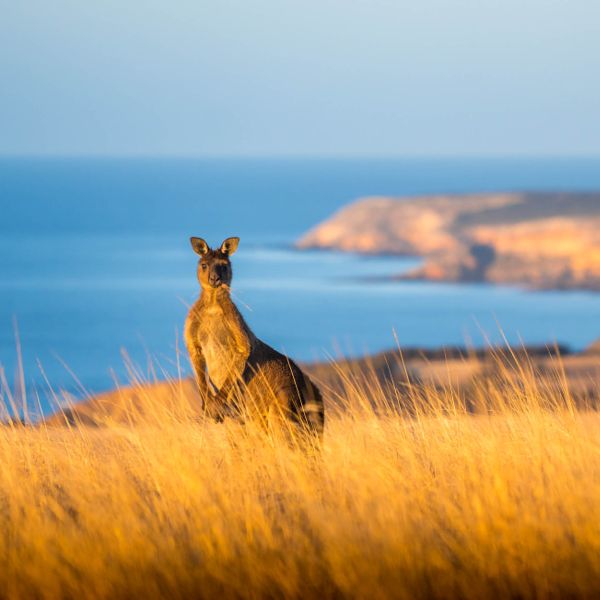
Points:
393	374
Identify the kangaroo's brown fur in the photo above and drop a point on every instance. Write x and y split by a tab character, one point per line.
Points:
236	372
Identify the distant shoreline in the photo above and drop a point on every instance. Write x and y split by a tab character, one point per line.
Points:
543	240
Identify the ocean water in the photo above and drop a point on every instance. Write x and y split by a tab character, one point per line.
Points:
95	261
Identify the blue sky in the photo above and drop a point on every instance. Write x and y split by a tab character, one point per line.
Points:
287	77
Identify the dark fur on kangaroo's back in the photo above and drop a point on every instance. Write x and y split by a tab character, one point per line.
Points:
235	371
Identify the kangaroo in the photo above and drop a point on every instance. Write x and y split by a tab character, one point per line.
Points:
235	371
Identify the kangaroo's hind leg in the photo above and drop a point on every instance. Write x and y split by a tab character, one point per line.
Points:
305	410
313	408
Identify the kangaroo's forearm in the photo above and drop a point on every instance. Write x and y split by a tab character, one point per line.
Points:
243	341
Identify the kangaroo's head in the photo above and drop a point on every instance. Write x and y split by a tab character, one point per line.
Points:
214	266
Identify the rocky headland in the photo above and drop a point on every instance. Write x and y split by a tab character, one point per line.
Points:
539	240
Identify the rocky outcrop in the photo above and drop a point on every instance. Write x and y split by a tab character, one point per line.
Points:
541	240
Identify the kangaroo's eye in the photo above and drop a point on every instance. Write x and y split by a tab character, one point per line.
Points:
204	266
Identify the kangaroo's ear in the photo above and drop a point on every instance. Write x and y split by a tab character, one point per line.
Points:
199	245
229	246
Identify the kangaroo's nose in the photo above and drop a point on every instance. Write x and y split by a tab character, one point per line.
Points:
215	277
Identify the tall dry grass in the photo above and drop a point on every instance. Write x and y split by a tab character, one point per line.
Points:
415	493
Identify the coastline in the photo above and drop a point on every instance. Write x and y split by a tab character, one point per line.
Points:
539	240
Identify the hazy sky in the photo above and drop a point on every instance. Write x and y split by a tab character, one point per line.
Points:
324	77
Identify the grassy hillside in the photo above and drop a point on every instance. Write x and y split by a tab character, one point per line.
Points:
447	370
414	494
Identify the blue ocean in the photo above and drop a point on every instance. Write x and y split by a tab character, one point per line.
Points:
95	262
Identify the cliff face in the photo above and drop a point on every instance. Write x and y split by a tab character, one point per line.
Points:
542	240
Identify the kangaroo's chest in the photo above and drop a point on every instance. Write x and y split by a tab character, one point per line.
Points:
217	343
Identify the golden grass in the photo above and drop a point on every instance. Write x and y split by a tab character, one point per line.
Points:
430	502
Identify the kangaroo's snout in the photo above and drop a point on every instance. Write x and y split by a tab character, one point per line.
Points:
217	275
